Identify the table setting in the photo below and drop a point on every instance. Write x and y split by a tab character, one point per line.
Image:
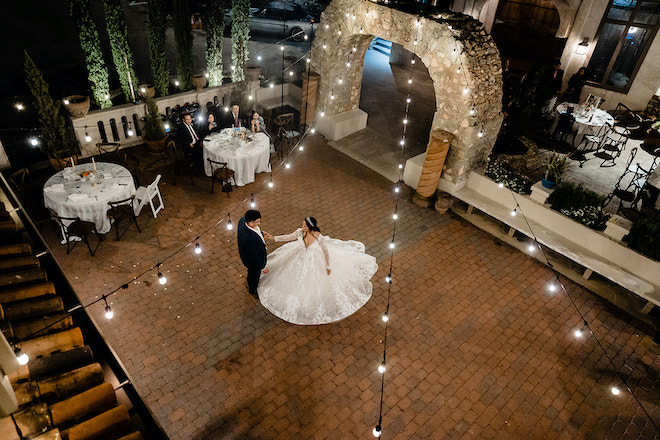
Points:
587	119
84	191
245	153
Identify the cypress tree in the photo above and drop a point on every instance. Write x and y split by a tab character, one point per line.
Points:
59	138
215	27
121	51
184	42
240	35
97	71
157	25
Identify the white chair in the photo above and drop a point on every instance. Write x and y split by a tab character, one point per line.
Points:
147	194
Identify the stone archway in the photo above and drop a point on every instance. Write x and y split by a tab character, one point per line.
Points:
444	43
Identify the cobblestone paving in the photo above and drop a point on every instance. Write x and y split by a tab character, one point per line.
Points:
477	347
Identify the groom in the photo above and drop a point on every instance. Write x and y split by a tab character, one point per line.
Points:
252	248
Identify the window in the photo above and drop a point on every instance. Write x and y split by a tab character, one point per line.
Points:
624	37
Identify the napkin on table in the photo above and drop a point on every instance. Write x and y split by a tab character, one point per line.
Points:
55	187
77	197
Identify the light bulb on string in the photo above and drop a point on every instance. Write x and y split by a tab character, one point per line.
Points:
324	46
200	118
355	49
348	64
338	32
106	96
226	109
305	37
21	357
465	90
287	165
481	133
402	141
382	368
458	70
312	130
408	100
400	166
395	216
385	317
143	90
19	106
332	96
88	138
552	287
392	245
501	184
308	60
322	114
271	85
176	83
514	212
34	141
377	431
161	277
388	278
348	14
616	391
361	31
412	61
531	247
109	314
198	249
327	26
415	43
396	189
300	148
271	184
340	81
578	333
66	101
229	224
253	204
473	111
282	48
290	72
206	75
410	81
405	121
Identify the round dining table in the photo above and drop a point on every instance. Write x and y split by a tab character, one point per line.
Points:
588	122
244	153
84	191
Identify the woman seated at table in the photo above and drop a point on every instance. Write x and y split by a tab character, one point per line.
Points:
211	126
257	125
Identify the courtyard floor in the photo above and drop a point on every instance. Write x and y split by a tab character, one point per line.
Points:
477	346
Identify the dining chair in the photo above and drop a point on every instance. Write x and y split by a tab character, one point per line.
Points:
645	209
132	163
286	135
176	160
20	179
564	128
121	210
627	187
109	151
72	227
590	143
220	172
147	194
611	147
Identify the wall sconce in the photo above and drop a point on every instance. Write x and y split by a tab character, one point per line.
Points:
581	48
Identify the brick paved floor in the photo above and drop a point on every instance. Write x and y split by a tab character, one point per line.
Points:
477	349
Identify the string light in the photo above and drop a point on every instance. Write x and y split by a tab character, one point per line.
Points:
616	391
176	83
161	277
129	132
552	287
206	75
88	138
514	212
465	90
271	184
312	130
531	247
19	106
34	141
382	368
395	216
143	90
66	101
258	57
385	317
473	111
106	96
198	249
253	204
301	148
501	184
229	225
21	357
391	245
480	134
578	333
282	48
109	314
388	278
322	114
287	165
377	431
324	46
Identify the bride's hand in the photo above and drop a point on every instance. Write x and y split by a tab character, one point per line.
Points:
266	270
267	235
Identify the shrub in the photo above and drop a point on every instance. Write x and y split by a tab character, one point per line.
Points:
644	237
500	172
579	204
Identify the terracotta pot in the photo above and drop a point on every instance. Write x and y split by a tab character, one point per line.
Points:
146	90
78	105
156	147
198	81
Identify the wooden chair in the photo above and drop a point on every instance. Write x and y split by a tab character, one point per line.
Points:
109	151
176	161
286	135
120	210
72	227
132	163
564	128
220	172
20	179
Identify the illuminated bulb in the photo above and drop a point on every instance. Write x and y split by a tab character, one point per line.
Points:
322	114
258	57
415	43
198	249
66	102
176	83
226	109
308	60
129	132
250	97
377	431
481	133
229	225
412	61
381	368
410	81
300	148
206	75
233	67
400	166
348	64
405	121
396	189
514	212
465	90
340	81
161	278
19	106
306	37
290	72
408	100
324	46
361	31
143	90
270	184
200	118
501	184
287	165
167	126
312	130
327	26
21	357
388	278
578	333
395	216
615	391
402	141
458	70
106	96
272	85
385	318
348	15
332	96
531	248
392	245
472	111
338	32
552	287
353	17
281	47
88	138
355	49
108	312
34	142
418	24
450	28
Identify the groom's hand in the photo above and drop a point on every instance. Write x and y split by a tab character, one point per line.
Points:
267	235
266	270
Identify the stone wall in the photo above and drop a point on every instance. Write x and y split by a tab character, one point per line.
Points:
444	42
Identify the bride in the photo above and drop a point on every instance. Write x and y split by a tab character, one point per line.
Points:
316	279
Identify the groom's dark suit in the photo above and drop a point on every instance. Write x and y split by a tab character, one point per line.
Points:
252	249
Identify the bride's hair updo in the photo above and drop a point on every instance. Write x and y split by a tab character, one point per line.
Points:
311	224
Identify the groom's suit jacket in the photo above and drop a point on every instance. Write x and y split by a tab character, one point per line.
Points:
251	247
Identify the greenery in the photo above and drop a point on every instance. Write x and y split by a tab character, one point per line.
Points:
59	138
121	51
240	35
157	25
644	237
154	130
184	43
580	204
215	27
97	71
501	172
556	165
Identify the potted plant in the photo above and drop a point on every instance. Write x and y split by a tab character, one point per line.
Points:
154	129
556	165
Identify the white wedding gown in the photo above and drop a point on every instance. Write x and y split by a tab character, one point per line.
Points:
299	290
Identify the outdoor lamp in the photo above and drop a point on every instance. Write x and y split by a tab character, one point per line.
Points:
581	48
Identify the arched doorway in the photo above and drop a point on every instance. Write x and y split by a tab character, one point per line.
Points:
462	60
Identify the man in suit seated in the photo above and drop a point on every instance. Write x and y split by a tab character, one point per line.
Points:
189	138
235	118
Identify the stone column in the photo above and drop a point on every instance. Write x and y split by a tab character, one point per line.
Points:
436	153
308	101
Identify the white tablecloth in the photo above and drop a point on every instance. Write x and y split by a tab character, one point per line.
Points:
588	123
88	197
244	157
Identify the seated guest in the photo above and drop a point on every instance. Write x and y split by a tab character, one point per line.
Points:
575	85
235	118
190	140
211	126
